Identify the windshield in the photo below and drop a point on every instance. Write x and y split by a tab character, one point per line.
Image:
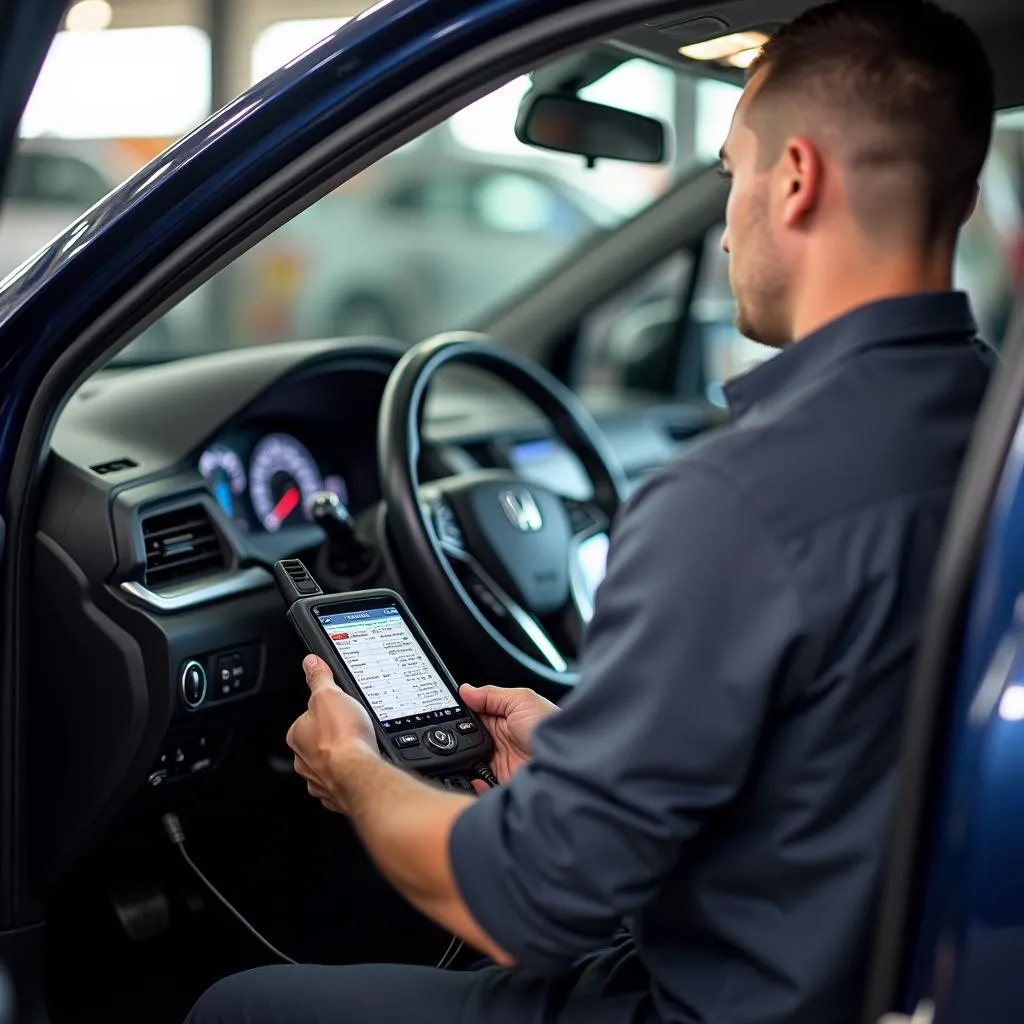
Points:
441	232
431	238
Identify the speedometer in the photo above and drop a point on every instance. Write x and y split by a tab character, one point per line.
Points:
283	477
223	471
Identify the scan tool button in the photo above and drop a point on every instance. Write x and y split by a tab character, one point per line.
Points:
407	739
442	741
465	726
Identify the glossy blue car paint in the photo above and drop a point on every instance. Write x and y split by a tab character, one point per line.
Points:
970	951
975	906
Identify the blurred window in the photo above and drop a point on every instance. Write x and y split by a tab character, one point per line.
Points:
620	335
520	204
122	83
432	237
438	198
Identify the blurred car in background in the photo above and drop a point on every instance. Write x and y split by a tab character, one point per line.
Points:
410	247
49	184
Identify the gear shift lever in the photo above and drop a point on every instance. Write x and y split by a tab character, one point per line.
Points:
346	553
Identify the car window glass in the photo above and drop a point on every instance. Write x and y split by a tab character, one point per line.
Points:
433	237
990	256
519	204
440	198
629	340
989	267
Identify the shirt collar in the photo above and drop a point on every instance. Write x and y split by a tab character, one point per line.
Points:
930	314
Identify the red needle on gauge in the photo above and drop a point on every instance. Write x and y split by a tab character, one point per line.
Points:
286	506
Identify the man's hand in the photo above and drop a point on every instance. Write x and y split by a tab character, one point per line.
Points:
334	727
510	717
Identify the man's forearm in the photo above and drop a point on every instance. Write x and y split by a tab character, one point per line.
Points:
406	826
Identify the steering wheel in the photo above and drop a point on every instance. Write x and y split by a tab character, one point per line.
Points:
499	560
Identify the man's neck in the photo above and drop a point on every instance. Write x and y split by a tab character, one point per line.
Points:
834	289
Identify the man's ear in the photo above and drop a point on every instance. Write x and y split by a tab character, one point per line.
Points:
800	180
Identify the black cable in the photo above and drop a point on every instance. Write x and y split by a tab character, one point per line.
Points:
176	834
453	950
482	770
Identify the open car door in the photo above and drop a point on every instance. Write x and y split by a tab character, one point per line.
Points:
950	939
27	28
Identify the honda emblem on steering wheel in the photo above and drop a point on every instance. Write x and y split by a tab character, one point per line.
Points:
520	508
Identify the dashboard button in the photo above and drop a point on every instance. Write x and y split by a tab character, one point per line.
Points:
192	684
443	741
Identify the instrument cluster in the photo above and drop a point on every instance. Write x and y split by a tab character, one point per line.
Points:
265	482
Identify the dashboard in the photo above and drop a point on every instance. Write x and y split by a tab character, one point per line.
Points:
169	493
264	477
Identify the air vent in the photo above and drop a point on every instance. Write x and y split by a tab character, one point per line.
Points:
181	545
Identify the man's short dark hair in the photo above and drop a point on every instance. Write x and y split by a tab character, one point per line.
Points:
907	83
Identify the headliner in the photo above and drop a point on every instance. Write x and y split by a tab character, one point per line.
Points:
999	23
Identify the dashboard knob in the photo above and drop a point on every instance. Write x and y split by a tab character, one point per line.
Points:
192	684
331	515
346	552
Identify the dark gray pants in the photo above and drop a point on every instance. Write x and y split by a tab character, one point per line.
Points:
395	994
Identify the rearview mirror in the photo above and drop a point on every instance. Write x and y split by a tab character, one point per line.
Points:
567	124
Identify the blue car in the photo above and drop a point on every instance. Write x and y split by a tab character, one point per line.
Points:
146	665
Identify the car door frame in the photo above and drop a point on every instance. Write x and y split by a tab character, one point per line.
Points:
957	753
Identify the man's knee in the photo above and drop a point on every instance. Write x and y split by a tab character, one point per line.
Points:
265	995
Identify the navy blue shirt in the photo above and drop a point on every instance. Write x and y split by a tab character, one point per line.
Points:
722	778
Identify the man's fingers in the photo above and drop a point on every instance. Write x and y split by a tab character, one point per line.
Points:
301	768
293	732
318	675
489	700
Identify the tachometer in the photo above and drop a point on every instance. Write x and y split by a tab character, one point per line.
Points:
283	477
222	469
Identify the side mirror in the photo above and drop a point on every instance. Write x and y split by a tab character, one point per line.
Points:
567	124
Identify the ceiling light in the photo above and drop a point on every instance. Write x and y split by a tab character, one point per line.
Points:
88	16
725	47
744	58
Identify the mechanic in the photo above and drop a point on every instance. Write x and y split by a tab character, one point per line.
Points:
722	779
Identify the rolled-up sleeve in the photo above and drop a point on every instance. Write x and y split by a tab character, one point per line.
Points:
696	619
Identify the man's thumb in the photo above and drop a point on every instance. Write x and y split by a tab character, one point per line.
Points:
472	695
485	700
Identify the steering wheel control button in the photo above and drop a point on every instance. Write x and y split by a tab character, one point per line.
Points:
447	525
582	517
465	727
486	599
407	739
442	741
192	684
158	778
